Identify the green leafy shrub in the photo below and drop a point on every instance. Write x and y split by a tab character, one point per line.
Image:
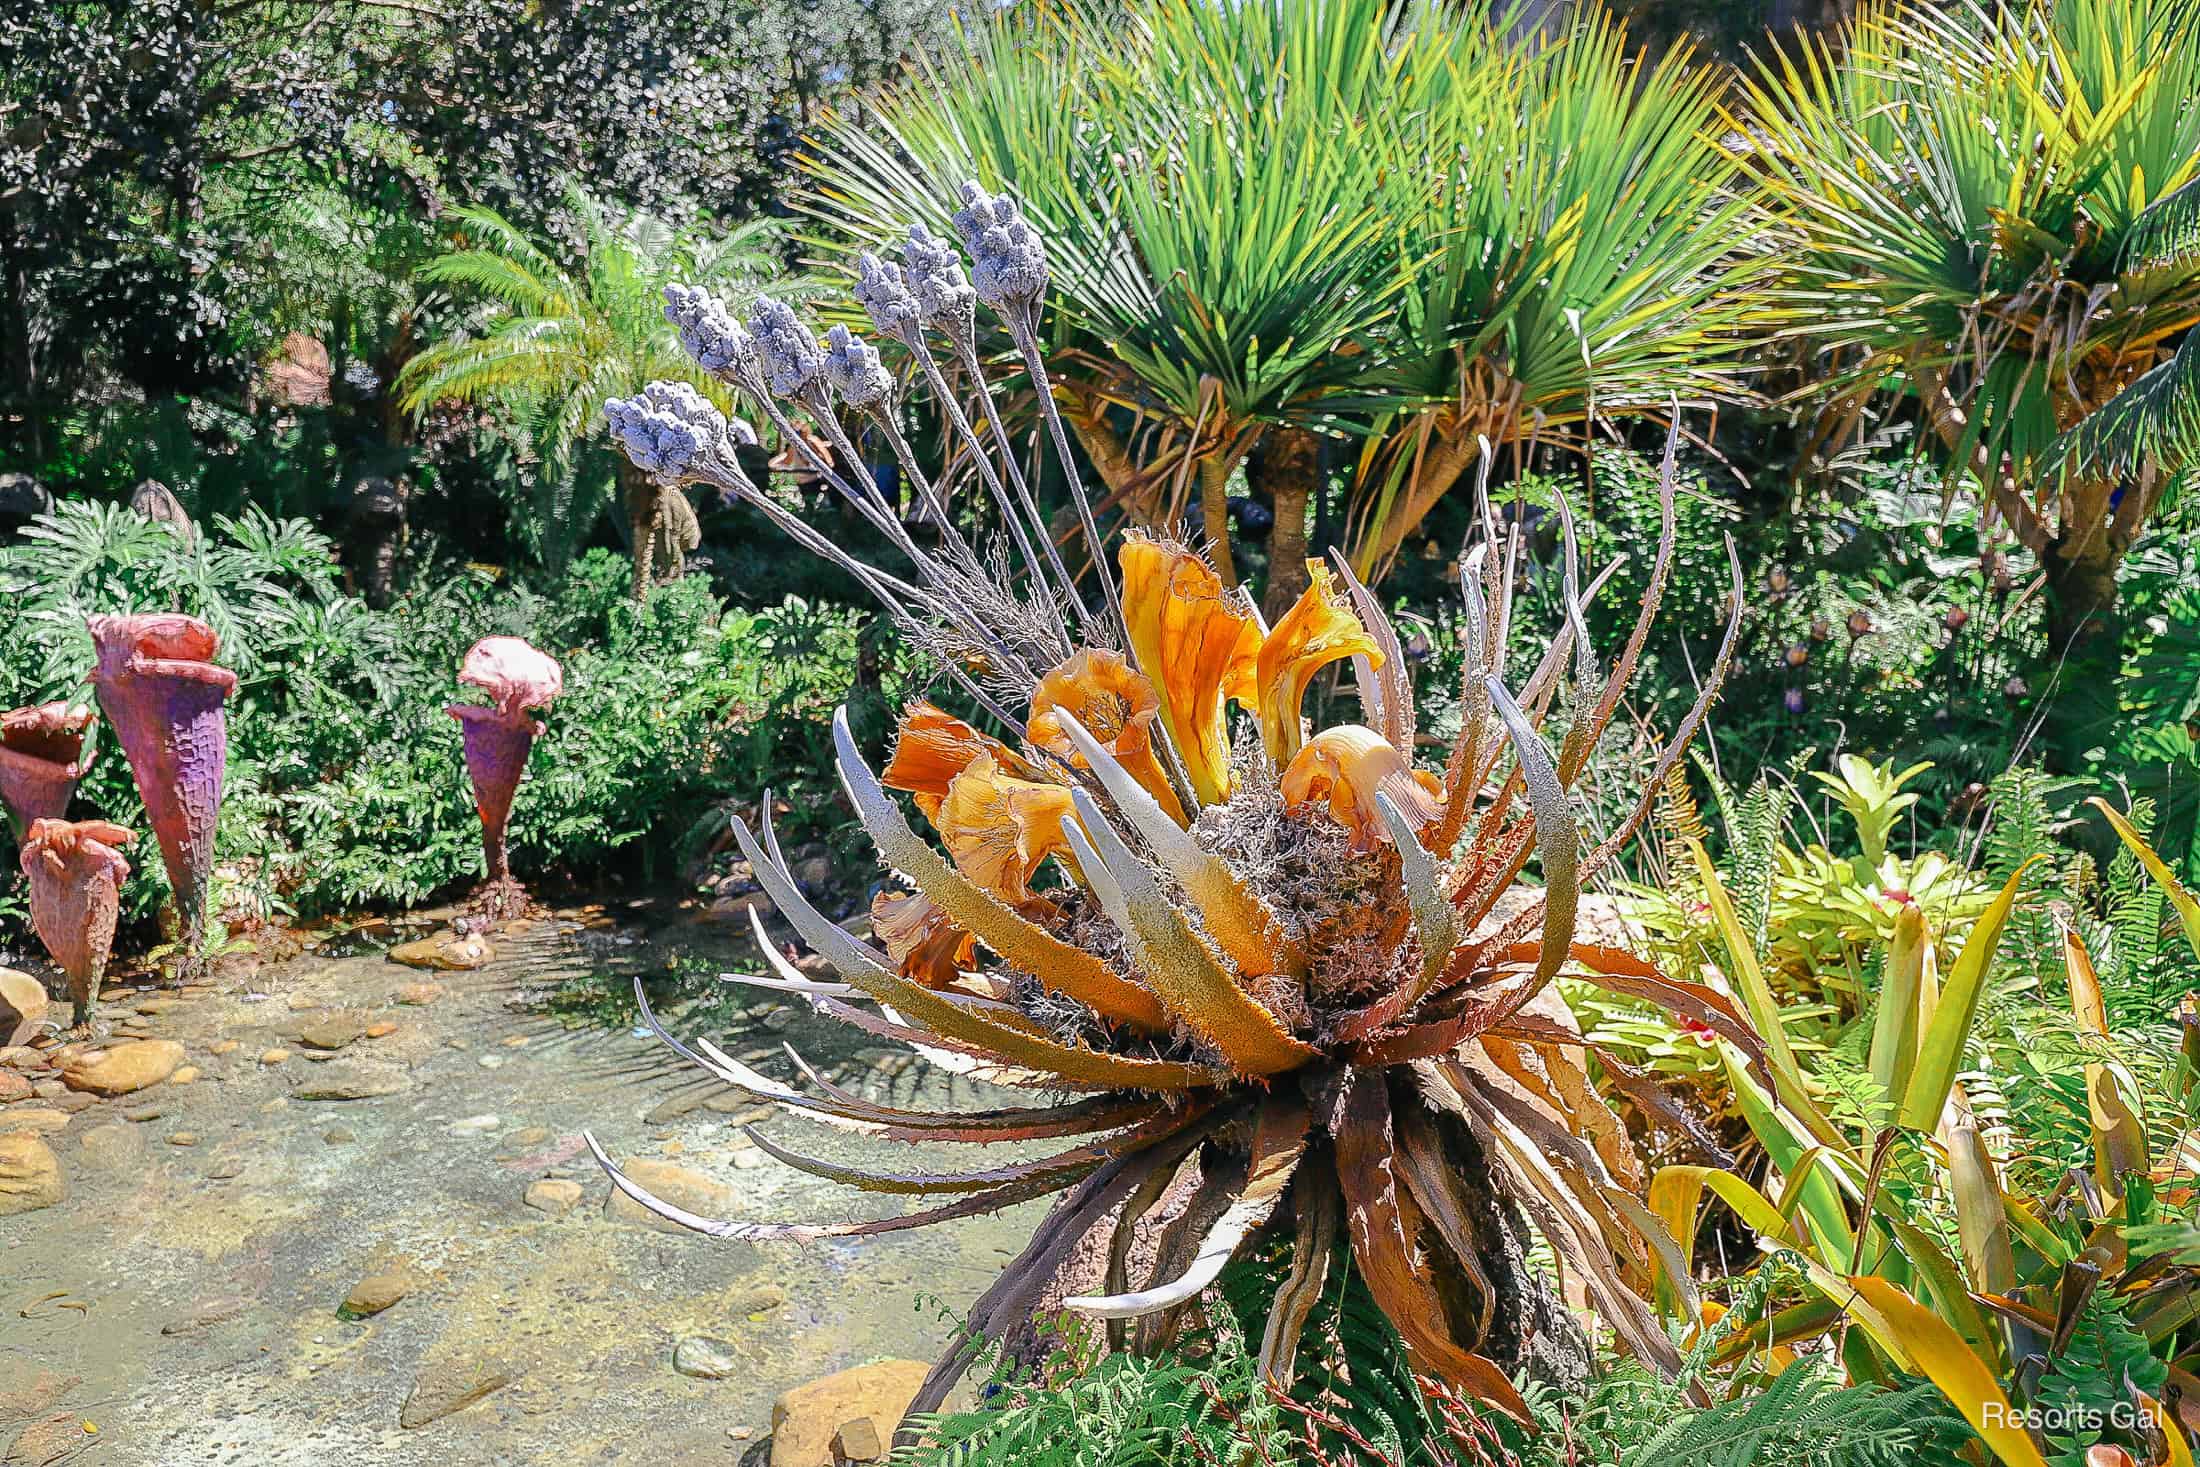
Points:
346	783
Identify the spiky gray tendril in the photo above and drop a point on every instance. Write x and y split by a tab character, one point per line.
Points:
853	367
707	330
791	360
883	292
1008	261
666	427
935	273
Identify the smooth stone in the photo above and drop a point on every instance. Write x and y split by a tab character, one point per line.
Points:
446	952
420	994
274	1056
381	1029
806	1419
706	1359
13	1087
352	1082
473	1126
143	1113
73	1103
124	1068
858	1441
154	1006
184	1138
36	1120
23	1005
223	1046
207	1314
185	1076
333	1032
299	1003
555	1196
338	1136
222	1171
22	1057
30	1174
528	1136
373	1294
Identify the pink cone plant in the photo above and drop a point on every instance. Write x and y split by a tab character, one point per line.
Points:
44	751
499	737
76	879
159	687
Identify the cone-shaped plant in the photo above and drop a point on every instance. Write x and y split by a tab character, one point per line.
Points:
499	737
76	876
44	751
1278	964
159	687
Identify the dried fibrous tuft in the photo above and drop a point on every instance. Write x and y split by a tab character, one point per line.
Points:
854	369
707	330
791	361
666	428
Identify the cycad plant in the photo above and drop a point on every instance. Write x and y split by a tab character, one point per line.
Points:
1994	218
1336	216
555	330
1295	971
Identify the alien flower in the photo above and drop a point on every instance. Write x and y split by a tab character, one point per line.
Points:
44	751
159	687
76	875
707	329
792	363
1284	972
666	428
499	737
853	367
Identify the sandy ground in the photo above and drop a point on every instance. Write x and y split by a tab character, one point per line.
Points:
180	1307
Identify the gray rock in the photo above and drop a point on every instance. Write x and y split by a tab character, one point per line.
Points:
706	1359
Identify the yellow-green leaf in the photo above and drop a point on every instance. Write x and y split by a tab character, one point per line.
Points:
1940	1052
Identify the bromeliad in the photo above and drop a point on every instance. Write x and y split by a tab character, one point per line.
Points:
1283	968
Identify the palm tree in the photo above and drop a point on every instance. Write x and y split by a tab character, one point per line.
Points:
1301	216
553	336
1993	216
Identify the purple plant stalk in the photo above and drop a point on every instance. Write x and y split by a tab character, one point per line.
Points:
159	687
499	737
44	751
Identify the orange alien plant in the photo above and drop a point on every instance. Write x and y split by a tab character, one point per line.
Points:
1293	974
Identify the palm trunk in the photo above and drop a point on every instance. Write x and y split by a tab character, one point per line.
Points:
1288	468
639	496
1214	512
2084	651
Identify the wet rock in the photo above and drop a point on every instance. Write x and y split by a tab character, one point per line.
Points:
338	1136
706	1359
124	1068
806	1419
333	1032
30	1176
184	1076
442	1389
299	1003
21	1057
274	1056
380	1029
223	1046
70	1102
153	1007
755	1303
473	1126
26	1390
143	1113
22	1006
674	1107
48	1089
113	1147
351	1081
225	1169
373	1294
184	1138
13	1087
419	995
35	1120
679	1185
554	1196
448	952
528	1136
858	1441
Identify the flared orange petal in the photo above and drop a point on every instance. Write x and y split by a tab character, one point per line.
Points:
924	942
1117	705
1344	768
999	828
933	747
1197	644
1320	628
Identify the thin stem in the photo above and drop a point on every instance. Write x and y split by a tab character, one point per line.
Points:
1033	363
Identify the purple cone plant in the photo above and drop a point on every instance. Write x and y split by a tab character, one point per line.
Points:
499	737
159	687
76	875
44	751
